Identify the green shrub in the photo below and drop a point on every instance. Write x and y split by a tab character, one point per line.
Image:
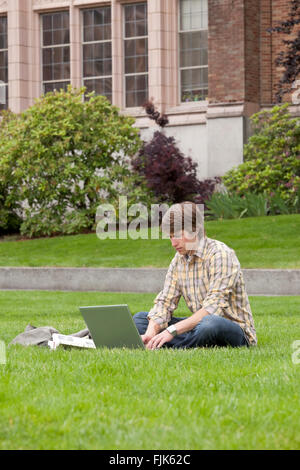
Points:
10	207
233	206
271	157
65	154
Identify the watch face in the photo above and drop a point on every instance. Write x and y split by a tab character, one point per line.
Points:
172	330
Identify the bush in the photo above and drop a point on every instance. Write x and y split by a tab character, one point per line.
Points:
171	176
233	206
271	157
62	153
10	207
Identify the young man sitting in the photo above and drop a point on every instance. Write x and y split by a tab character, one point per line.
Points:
208	275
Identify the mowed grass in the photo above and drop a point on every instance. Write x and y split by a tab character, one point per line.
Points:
245	398
259	242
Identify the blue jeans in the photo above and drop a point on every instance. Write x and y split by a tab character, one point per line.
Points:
212	330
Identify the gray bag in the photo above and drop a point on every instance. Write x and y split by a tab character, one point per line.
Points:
33	336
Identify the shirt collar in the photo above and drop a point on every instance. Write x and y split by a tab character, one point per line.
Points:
199	252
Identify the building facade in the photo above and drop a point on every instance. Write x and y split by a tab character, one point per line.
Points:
208	64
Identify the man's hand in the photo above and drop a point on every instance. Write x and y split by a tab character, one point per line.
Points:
145	339
158	340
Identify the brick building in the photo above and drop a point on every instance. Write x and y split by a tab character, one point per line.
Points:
209	64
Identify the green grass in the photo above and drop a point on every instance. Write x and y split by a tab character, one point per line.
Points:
260	242
121	399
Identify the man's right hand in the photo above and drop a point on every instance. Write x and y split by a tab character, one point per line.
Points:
145	339
152	330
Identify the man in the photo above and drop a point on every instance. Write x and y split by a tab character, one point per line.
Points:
208	275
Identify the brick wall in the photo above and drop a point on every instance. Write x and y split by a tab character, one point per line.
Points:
226	50
242	53
252	50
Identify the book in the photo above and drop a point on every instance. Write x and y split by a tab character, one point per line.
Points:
67	340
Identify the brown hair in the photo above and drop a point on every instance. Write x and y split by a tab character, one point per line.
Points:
170	220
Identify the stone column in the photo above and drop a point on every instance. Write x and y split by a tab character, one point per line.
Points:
117	54
20	59
75	46
162	43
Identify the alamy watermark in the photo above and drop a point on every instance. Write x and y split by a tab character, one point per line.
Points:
2	353
296	353
138	221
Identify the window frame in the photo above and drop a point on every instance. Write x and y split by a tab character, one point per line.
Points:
6	84
124	75
180	31
42	47
83	43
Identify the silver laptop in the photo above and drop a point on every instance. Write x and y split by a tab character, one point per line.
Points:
112	326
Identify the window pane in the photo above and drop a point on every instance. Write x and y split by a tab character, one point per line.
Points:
3	64
136	90
193	49
136	54
66	71
194	79
98	16
141	64
56	28
97	24
130	100
141	12
47	73
97	56
135	18
3	41
88	17
129	13
56	63
47	56
193	14
3	25
130	30
88	34
99	69
57	21
100	87
55	86
88	69
47	38
88	51
3	59
107	67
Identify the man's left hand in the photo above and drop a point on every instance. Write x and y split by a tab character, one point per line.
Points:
158	340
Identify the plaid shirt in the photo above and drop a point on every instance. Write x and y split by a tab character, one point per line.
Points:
212	279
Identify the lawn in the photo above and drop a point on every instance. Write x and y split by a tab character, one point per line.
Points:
260	242
217	398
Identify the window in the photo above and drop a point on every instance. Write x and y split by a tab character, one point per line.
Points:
56	50
3	64
97	52
136	54
193	32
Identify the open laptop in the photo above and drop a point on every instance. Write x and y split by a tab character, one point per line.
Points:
112	326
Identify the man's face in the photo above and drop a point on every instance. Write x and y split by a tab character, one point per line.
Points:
183	243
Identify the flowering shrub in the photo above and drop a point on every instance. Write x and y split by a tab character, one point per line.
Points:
62	157
271	157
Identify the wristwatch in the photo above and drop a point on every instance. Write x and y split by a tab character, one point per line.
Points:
172	329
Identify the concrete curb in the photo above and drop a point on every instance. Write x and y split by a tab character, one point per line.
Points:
258	281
